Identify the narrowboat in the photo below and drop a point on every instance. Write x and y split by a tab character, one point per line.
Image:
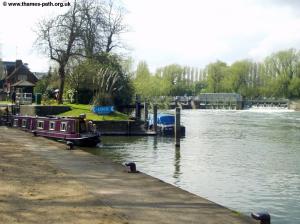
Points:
165	124
75	130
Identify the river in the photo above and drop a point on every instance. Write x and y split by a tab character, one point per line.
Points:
245	160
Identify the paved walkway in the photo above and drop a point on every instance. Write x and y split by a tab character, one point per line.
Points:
111	194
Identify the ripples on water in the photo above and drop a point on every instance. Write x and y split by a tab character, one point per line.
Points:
245	160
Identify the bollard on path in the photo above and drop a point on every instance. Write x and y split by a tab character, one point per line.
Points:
263	217
131	167
70	144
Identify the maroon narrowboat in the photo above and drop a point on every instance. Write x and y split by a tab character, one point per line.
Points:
75	130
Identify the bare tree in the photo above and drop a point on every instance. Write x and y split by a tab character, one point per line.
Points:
103	25
60	39
113	26
91	34
89	28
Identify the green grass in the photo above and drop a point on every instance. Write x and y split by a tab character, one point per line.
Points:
77	109
5	102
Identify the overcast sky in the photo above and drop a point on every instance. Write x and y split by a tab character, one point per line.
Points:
187	32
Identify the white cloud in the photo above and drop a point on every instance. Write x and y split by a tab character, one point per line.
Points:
197	32
188	32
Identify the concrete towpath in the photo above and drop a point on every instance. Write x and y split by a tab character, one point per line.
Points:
42	182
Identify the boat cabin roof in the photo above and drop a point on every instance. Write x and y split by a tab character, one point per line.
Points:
47	118
163	118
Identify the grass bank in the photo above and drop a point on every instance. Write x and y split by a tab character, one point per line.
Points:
77	109
5	102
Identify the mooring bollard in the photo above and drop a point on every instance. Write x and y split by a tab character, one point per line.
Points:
263	217
131	167
70	144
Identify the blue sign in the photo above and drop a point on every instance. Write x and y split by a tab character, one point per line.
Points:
103	110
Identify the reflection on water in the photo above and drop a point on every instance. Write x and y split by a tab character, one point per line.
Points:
177	164
245	160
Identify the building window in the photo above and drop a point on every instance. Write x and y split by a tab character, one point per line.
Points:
52	125
63	126
24	123
40	125
15	123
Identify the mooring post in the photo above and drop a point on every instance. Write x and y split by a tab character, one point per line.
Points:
177	126
263	217
155	118
137	107
145	111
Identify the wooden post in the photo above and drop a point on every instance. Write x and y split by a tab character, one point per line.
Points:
177	126
145	111
155	118
137	107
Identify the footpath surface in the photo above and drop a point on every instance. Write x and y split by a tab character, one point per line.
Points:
42	182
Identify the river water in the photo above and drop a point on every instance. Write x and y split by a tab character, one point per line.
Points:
245	160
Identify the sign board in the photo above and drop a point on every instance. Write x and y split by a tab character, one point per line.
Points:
103	110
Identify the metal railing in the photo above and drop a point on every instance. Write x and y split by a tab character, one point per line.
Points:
24	98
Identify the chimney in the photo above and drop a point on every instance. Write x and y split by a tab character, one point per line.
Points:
18	63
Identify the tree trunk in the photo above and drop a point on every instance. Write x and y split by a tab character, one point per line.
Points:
61	72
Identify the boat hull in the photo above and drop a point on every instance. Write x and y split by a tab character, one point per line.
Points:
90	140
87	141
77	131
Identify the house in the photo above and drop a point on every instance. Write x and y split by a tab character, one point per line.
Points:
17	78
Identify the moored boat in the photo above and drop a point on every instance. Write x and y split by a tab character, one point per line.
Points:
165	124
75	130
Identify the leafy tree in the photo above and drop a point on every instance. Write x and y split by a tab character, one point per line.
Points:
281	68
1	70
215	76
200	87
294	87
143	81
239	78
106	75
48	83
174	80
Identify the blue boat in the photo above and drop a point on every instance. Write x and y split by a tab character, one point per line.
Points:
165	124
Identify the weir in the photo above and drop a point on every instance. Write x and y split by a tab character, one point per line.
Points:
224	101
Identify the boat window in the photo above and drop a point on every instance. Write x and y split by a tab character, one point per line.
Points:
63	126
40	125
52	125
15	122
24	122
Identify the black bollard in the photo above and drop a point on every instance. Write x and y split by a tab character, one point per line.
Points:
70	144
263	217
132	167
